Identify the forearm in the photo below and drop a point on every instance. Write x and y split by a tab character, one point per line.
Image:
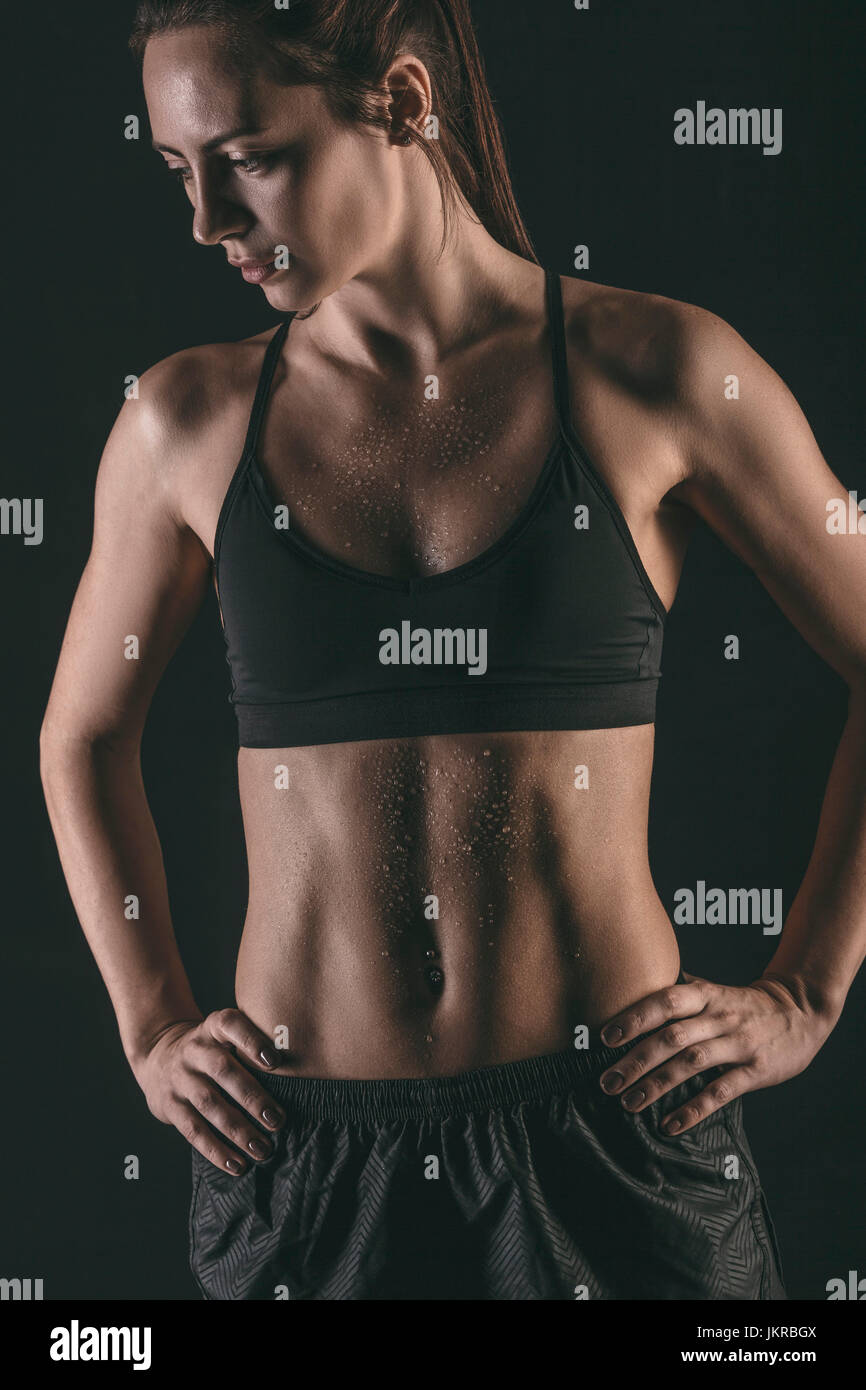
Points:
824	939
112	861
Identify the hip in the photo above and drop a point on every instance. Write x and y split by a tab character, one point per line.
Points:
518	1181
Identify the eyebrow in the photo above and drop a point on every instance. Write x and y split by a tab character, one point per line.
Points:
217	140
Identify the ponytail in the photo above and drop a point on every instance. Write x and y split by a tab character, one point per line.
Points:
482	168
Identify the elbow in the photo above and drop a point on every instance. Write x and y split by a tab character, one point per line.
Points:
54	749
47	748
63	745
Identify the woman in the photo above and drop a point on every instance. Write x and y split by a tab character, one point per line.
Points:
446	505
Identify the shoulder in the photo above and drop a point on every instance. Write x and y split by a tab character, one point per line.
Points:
190	392
653	342
183	428
684	361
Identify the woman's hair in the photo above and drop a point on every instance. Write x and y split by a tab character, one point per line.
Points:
346	47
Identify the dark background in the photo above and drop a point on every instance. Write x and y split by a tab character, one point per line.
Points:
105	280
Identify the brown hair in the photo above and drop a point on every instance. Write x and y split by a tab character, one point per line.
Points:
346	47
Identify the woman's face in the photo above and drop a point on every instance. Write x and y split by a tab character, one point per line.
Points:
296	178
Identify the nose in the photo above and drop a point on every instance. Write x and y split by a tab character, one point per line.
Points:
216	217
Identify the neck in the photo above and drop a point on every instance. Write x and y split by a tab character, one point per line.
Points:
413	307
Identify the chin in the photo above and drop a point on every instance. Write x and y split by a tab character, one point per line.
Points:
297	291
286	296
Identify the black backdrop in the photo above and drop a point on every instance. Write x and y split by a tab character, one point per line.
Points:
104	280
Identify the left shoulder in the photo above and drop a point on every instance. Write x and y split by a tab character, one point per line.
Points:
663	347
747	461
727	409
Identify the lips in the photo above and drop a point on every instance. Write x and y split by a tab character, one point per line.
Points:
254	272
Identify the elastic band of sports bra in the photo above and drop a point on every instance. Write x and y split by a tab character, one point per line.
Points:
445	710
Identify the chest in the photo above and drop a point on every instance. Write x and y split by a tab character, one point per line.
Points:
413	480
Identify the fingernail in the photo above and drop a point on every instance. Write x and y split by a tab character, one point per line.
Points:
271	1117
611	1035
259	1149
613	1081
268	1058
672	1126
633	1099
234	1165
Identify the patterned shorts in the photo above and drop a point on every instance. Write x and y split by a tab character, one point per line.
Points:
518	1181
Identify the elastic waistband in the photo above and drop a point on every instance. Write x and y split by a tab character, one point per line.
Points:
532	1080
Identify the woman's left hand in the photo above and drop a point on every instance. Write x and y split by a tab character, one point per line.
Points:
760	1034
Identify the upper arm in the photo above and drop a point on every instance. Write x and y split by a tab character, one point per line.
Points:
146	575
755	474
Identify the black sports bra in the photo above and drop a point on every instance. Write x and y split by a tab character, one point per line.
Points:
556	625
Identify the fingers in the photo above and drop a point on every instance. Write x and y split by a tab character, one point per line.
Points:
700	1038
732	1083
233	1027
215	1064
216	1103
675	1001
683	1045
208	1118
640	1090
191	1124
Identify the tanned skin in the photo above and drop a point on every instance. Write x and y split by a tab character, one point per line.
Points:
552	917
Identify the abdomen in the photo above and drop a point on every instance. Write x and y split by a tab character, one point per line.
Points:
424	906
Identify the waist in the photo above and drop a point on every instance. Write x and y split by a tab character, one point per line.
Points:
361	997
529	1080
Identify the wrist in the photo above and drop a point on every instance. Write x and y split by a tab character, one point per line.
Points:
814	997
139	1044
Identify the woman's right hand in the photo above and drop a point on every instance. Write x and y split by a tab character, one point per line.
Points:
185	1072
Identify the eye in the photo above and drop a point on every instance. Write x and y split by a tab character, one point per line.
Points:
251	163
248	164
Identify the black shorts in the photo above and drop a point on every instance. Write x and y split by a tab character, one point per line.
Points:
519	1181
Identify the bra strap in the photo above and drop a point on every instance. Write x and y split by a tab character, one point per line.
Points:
556	319
272	353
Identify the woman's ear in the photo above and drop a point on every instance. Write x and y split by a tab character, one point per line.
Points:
409	96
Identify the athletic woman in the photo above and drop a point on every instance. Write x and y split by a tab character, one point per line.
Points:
444	504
